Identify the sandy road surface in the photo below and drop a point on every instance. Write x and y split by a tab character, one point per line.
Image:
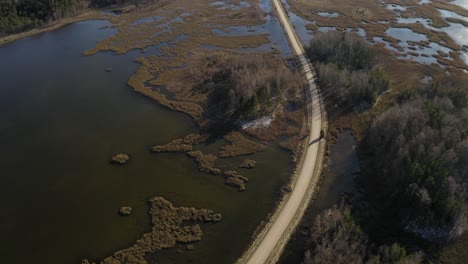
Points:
269	244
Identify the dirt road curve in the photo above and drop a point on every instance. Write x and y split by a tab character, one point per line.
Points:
269	244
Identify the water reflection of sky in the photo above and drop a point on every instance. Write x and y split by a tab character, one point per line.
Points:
223	5
299	24
457	31
462	3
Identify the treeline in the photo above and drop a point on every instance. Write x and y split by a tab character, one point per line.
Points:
418	153
105	3
241	86
336	238
21	15
346	69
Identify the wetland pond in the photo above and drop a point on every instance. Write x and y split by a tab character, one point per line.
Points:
63	117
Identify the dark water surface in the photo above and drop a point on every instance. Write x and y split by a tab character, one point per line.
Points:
62	118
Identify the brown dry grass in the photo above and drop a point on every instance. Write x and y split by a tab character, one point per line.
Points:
240	145
236	180
177	145
375	12
441	4
194	19
403	74
456	20
172	70
206	162
356	10
143	75
248	164
287	124
180	145
169	227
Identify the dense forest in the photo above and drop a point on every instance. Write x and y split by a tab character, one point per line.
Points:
414	158
336	238
347	69
20	15
16	16
418	152
241	86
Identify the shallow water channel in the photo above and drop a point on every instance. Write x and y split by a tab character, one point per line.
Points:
62	118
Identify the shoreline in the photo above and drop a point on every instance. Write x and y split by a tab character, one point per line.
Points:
264	225
89	15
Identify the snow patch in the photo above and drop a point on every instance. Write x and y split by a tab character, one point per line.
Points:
260	123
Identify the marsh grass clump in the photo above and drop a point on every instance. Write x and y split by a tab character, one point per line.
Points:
240	145
125	211
170	226
177	145
120	159
235	179
248	164
205	162
180	145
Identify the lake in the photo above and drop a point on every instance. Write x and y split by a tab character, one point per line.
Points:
63	117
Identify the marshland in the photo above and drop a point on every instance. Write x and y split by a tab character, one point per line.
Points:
192	114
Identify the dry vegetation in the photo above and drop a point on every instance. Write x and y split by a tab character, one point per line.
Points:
456	252
218	85
177	145
236	180
192	19
221	87
180	145
240	145
216	88
336	238
205	162
120	158
413	144
213	87
248	164
373	16
170	227
347	70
